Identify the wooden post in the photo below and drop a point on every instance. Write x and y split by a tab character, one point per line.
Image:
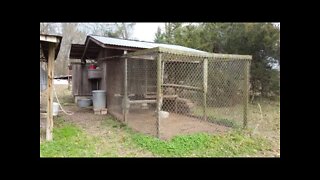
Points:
146	75
159	93
246	93
49	128
125	96
205	88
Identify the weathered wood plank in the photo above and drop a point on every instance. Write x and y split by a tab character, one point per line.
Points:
142	101
182	86
125	113
159	93
49	126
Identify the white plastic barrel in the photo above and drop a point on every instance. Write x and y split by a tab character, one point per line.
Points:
55	109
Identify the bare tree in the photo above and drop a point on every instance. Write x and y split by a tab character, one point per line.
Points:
99	29
48	28
117	30
124	30
71	35
75	33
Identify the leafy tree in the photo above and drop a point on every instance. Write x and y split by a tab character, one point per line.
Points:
261	40
159	36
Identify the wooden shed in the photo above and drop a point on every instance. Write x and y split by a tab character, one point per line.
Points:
100	50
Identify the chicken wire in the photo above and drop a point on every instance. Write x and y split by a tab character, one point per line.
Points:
115	89
226	92
162	87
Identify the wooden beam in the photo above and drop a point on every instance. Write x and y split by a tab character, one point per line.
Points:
49	38
142	101
125	98
178	60
183	86
146	75
109	57
85	50
231	57
49	126
121	48
163	96
145	57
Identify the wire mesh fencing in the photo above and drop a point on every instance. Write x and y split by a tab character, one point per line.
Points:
165	93
140	112
115	87
226	96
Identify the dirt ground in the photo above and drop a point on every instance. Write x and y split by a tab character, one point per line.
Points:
139	120
175	124
143	122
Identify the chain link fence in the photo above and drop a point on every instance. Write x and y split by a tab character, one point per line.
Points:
163	93
227	92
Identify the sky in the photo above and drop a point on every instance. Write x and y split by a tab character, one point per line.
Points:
146	31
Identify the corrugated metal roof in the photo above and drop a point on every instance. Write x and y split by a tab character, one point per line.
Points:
141	44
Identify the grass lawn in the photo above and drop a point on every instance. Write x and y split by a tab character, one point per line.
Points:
107	137
72	141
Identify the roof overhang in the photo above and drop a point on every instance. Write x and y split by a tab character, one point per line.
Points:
46	39
90	49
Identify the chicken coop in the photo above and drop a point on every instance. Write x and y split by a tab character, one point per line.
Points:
164	90
167	91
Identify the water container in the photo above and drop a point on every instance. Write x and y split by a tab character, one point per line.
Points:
55	109
99	99
84	102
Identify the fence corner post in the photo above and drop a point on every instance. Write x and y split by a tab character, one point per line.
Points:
159	92
205	87
246	93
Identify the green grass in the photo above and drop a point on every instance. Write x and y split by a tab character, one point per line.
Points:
225	116
225	122
118	140
204	145
269	125
69	141
72	141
